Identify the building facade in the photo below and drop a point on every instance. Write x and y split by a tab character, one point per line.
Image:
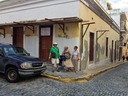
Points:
35	25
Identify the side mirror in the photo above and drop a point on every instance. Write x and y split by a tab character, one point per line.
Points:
28	54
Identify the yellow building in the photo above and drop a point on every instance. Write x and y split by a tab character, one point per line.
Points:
36	25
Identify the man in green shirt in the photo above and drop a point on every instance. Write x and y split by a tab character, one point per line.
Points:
54	56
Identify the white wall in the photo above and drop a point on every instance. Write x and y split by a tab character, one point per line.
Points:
62	42
40	11
7	39
31	44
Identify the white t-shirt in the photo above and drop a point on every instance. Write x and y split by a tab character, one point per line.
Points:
75	55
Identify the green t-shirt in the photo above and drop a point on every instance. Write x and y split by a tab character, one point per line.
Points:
55	50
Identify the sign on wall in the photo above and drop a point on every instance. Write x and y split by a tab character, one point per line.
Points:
45	31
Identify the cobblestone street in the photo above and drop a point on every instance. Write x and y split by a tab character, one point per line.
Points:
111	83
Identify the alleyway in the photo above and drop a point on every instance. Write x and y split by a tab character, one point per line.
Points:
111	83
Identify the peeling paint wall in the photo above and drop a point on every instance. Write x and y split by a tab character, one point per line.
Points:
70	39
100	46
30	39
8	35
7	39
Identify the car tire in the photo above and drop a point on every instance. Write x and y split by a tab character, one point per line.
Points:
12	75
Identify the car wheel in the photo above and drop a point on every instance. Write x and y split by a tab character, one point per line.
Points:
12	75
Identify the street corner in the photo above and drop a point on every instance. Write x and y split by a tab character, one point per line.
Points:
81	78
90	76
65	80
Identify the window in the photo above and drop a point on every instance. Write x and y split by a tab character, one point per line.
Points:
9	50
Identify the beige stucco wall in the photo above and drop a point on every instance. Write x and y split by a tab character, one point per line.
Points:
71	37
8	35
71	29
30	30
8	30
27	31
100	54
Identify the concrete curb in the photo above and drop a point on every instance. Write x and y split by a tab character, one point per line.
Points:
66	80
90	76
83	78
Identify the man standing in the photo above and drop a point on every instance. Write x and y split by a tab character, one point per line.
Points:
54	56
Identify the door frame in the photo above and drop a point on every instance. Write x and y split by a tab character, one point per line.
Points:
51	27
13	38
93	53
112	51
107	42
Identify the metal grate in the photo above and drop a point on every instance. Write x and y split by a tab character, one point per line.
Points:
36	64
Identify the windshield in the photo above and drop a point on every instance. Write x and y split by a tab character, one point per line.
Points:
9	50
12	50
21	51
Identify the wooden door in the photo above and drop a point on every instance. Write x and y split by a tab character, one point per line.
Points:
112	52
91	52
115	51
107	47
18	36
46	35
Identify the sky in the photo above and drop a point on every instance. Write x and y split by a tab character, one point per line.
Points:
119	4
1	0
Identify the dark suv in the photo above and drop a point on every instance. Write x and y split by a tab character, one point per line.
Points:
15	62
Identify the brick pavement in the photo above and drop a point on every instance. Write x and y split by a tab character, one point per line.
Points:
110	83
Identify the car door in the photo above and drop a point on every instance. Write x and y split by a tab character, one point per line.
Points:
2	60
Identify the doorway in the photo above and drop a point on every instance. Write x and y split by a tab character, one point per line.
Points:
45	41
115	52
112	51
18	36
91	49
106	46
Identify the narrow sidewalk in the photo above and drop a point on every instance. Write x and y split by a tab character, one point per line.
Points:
81	76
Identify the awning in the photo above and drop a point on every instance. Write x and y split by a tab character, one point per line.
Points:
43	22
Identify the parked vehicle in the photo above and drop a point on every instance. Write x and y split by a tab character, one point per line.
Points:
15	62
21	51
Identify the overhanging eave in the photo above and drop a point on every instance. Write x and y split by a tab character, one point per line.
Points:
42	22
